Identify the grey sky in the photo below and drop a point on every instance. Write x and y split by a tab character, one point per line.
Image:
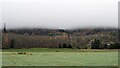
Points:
0	14
60	13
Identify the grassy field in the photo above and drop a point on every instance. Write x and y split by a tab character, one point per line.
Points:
59	57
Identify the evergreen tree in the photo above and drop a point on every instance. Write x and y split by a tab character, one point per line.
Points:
4	29
96	44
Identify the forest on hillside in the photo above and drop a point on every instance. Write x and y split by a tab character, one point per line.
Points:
97	38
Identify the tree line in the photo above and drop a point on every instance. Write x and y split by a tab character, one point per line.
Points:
59	38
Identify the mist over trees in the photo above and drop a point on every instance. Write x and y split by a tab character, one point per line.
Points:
97	38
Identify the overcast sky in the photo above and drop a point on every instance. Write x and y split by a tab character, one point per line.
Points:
60	13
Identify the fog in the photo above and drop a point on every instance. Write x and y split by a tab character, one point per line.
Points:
60	13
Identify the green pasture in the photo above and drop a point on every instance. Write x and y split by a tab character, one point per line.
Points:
59	57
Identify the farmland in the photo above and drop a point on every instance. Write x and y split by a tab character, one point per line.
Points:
46	47
59	57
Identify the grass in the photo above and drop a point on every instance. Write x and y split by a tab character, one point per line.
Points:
64	57
0	57
58	49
